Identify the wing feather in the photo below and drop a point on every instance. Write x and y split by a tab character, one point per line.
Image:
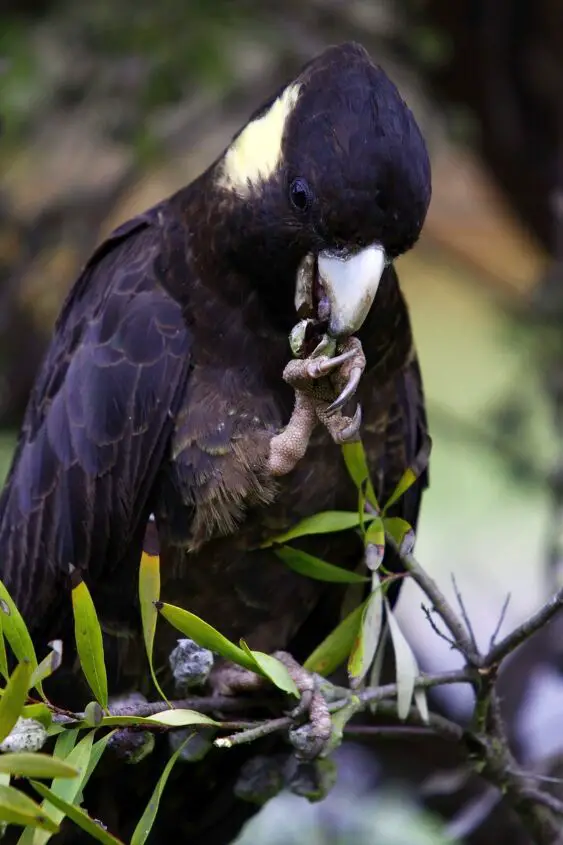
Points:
98	423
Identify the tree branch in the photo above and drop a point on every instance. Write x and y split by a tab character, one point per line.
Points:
524	631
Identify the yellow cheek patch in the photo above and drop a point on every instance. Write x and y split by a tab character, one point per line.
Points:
256	154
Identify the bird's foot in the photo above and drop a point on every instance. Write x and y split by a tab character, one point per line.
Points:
311	730
289	446
323	385
346	377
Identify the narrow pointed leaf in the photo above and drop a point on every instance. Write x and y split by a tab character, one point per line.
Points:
204	634
49	664
96	752
401	532
334	650
35	765
65	743
38	712
69	789
17	808
362	507
144	826
273	669
314	567
421	702
149	593
27	837
4	671
181	718
326	522
377	665
176	718
356	463
89	641
365	645
16	633
406	666
14	698
411	474
77	815
375	544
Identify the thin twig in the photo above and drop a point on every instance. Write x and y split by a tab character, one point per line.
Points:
439	724
545	799
449	640
252	734
458	676
500	622
465	615
524	631
390	731
443	609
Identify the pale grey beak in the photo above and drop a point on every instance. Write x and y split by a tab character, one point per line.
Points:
350	283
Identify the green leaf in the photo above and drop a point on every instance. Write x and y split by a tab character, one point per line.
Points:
362	508
326	522
273	669
15	631
176	718
314	567
406	666
14	698
181	718
339	720
17	808
411	474
207	637
77	815
144	826
65	743
334	650
4	671
69	789
49	664
356	463
89	641
204	634
98	749
369	633
401	532
38	712
375	544
149	593
27	837
35	765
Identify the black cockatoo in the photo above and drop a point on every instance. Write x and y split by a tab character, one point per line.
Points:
169	387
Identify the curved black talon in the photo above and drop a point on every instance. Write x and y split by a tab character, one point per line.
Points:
347	393
350	433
